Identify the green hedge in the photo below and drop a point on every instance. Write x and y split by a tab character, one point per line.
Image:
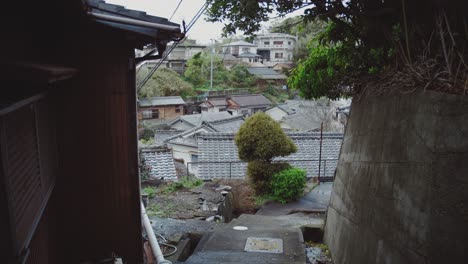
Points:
260	172
288	184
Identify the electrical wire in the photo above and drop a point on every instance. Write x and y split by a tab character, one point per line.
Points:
174	45
173	13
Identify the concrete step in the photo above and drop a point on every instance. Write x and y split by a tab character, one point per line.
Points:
265	233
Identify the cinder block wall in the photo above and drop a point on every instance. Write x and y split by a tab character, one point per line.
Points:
401	189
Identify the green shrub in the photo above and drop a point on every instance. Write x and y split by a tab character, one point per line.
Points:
150	191
147	134
260	172
182	183
288	184
190	182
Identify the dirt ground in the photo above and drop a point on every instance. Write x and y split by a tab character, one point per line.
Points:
199	202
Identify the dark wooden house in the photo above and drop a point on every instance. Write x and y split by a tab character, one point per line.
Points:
69	182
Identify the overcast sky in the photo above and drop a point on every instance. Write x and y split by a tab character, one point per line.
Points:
202	31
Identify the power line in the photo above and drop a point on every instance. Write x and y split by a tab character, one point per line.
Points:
173	13
164	56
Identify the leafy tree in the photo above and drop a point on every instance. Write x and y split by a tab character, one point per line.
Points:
365	38
199	67
261	138
239	77
164	82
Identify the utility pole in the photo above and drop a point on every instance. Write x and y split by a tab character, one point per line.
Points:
211	70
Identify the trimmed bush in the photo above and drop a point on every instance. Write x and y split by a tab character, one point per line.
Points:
288	184
261	138
260	172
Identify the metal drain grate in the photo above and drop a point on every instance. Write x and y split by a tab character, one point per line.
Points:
264	245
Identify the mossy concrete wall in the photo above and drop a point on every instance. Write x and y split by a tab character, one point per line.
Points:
401	188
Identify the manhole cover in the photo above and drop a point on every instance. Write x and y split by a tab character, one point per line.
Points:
264	245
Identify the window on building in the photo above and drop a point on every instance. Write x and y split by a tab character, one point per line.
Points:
279	55
266	43
222	109
289	42
194	157
278	42
245	50
155	114
147	114
177	109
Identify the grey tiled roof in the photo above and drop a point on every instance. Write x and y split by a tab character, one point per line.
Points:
197	119
185	138
160	101
161	163
218	102
220	147
227	125
254	100
160	136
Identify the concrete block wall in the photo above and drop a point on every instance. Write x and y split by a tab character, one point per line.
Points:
401	188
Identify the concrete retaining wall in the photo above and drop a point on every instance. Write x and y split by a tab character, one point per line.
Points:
401	189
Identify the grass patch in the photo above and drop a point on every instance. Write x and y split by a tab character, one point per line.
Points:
160	211
150	191
185	182
262	199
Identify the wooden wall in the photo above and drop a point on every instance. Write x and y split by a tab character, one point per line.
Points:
98	193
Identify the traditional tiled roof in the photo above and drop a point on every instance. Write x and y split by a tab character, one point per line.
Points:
220	149
227	125
283	107
190	137
218	102
161	101
197	119
160	136
251	100
161	163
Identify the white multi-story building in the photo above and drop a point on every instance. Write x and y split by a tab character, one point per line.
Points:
275	47
239	47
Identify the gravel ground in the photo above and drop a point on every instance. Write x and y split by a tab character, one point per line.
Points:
316	255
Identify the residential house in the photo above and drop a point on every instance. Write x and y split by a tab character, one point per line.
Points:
177	59
163	108
308	115
247	104
184	145
280	111
214	105
220	158
186	122
69	170
275	47
239	47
